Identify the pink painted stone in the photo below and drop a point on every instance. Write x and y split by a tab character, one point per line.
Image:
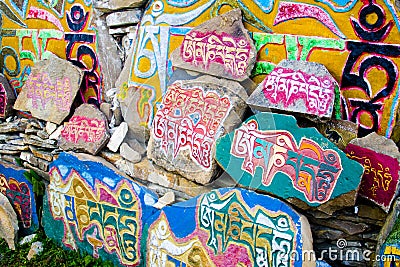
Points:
87	130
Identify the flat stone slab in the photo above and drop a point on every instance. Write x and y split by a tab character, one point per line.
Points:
7	97
91	207
19	192
270	153
227	227
123	18
87	130
50	89
381	161
220	46
193	114
296	86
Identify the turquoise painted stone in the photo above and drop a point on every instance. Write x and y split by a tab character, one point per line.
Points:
269	152
19	192
89	207
227	227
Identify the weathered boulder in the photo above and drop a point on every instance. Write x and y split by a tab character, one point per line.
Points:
297	86
270	153
380	158
7	97
91	207
8	222
228	227
50	89
19	192
193	114
87	130
220	46
339	132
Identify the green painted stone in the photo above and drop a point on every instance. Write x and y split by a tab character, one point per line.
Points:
270	153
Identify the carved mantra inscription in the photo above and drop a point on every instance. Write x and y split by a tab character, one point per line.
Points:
286	86
41	89
313	170
188	118
202	49
82	128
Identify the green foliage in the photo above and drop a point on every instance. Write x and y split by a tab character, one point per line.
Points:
394	236
52	255
36	181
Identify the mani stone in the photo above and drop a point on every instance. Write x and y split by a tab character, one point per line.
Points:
8	222
19	192
193	114
296	86
92	208
270	153
380	158
87	130
228	227
50	89
339	132
7	97
220	46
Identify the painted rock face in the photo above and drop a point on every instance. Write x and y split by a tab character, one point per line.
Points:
269	152
91	208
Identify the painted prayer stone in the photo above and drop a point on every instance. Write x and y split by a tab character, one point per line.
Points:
227	227
90	207
7	97
380	181
19	192
296	86
50	89
270	153
220	46
87	130
193	114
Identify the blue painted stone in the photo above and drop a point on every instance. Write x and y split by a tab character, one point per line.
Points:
269	152
227	227
19	192
92	208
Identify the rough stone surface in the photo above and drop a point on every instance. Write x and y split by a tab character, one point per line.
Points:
50	127
380	158
118	137
7	97
296	86
19	192
123	18
129	153
269	152
106	109
56	134
227	227
165	200
87	130
110	5
229	51
41	153
194	113
389	238
18	125
59	83
97	198
36	249
339	132
8	223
